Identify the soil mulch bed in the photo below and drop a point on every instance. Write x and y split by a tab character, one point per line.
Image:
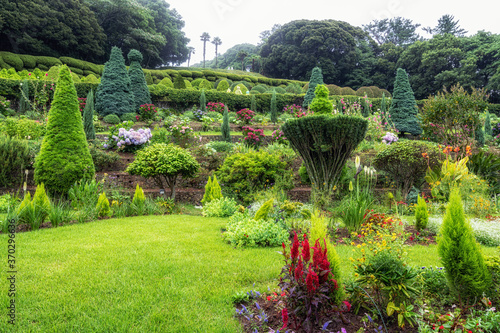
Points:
272	309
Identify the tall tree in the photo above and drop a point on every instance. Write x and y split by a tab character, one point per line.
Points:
316	78
216	41
113	93
447	25
191	51
397	30
138	85
64	157
290	51
51	28
205	37
241	57
88	117
403	109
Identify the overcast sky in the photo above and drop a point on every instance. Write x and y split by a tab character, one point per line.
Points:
238	21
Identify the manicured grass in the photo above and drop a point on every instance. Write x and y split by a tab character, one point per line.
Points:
144	274
141	274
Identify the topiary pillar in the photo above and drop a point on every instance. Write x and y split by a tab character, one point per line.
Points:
487	124
325	143
64	157
403	108
274	109
138	83
225	129
114	95
321	104
203	101
316	78
253	104
88	117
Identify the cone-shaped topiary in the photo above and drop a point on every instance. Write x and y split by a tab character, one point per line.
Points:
64	157
421	214
274	109
216	190
316	78
203	101
225	129
403	108
461	256
138	84
114	94
207	196
41	201
253	104
321	104
479	135
88	117
139	198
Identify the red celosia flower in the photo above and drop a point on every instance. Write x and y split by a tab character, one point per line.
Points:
348	305
268	298
312	281
295	247
299	271
284	316
306	253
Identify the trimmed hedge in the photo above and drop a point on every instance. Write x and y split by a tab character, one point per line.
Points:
185	98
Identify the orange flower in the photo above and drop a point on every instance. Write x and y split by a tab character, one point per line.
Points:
456	150
425	155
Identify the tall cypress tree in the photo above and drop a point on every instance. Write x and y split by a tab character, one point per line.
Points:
274	109
88	117
403	108
383	110
64	157
487	124
114	94
138	83
253	104
316	78
225	130
203	101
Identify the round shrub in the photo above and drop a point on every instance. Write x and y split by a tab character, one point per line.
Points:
280	90
404	163
244	174
205	84
179	82
48	61
127	117
91	78
333	89
196	83
111	119
223	86
166	82
28	61
240	88
346	91
13	60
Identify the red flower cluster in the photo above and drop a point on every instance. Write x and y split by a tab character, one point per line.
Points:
147	111
215	107
245	115
253	137
81	101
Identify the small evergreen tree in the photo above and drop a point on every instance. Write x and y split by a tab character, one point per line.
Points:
383	110
264	210
24	103
139	200
207	196
487	124
102	207
403	108
203	101
321	104
479	135
216	190
316	78
138	83
225	129
461	256
64	157
365	108
114	95
253	104
88	117
274	109
421	214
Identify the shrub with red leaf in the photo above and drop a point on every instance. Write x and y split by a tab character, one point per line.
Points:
308	284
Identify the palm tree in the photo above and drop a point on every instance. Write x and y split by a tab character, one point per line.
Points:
205	37
191	51
216	41
241	57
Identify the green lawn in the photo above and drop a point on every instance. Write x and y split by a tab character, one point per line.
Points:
143	274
